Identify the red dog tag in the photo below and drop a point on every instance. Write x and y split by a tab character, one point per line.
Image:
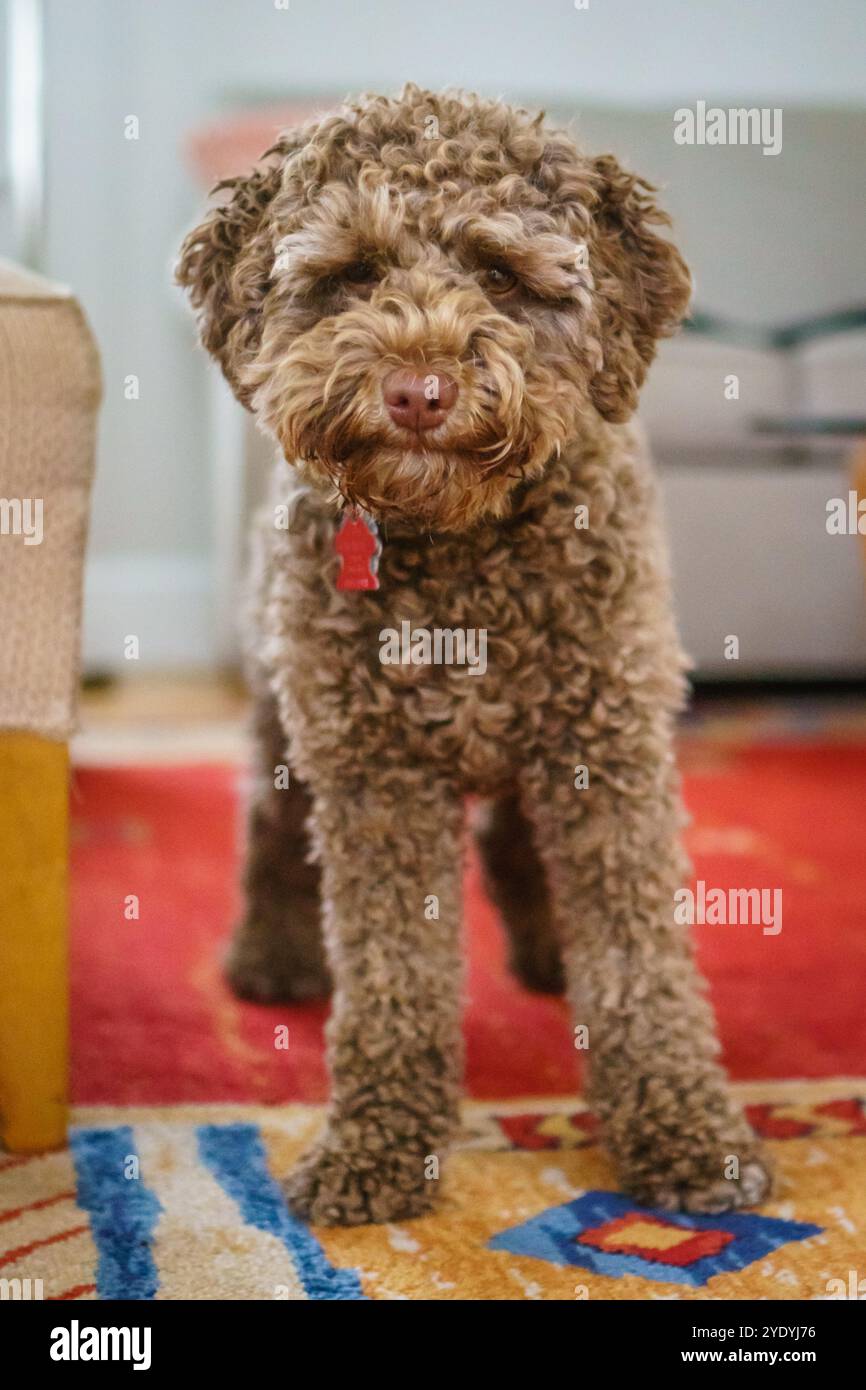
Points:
358	546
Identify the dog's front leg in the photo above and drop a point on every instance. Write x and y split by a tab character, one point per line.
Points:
611	843
390	852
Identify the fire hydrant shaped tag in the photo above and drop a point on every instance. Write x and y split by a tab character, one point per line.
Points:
358	546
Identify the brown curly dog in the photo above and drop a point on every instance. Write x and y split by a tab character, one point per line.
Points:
443	313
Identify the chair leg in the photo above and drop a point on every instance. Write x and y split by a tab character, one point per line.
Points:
34	989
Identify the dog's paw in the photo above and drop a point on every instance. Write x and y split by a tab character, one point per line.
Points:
708	1192
259	968
342	1187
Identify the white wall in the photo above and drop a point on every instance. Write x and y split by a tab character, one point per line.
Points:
116	208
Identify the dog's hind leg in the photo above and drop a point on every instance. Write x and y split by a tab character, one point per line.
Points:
516	883
276	952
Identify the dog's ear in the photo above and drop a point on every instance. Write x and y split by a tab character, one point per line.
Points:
642	284
226	263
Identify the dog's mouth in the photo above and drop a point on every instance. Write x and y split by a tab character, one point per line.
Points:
483	447
445	474
419	450
446	484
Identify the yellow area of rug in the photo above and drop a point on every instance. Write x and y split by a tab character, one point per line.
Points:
184	1202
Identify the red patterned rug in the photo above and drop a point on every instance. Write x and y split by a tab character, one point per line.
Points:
170	1070
154	1023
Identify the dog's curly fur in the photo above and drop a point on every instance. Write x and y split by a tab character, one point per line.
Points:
459	236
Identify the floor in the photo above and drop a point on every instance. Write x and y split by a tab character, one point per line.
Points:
195	716
179	716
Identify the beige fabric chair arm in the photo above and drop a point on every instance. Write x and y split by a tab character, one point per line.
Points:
50	390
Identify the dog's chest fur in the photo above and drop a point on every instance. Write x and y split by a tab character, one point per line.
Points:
537	600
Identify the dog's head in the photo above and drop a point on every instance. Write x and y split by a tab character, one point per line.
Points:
420	297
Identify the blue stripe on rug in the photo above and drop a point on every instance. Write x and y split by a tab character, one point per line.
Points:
236	1156
123	1212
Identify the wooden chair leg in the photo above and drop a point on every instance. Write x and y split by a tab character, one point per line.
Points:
34	990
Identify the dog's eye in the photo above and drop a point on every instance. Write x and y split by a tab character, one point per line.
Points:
360	273
498	279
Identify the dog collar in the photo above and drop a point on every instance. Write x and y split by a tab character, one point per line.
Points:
357	544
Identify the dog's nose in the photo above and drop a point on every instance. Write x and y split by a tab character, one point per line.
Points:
417	402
